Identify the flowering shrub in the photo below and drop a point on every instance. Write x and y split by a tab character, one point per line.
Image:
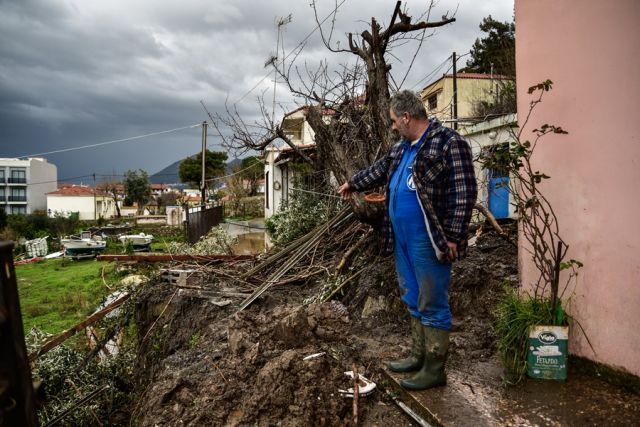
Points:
300	214
215	242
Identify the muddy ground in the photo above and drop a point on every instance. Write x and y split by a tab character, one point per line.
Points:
201	363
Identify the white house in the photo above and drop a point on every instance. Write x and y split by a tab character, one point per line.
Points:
89	203
25	183
278	176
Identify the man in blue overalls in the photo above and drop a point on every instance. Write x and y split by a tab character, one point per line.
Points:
430	190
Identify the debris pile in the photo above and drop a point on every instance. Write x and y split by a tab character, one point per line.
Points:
208	363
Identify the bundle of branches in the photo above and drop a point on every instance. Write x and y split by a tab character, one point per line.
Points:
324	250
322	255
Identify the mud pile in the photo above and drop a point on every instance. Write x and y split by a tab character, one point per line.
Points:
249	369
204	364
477	283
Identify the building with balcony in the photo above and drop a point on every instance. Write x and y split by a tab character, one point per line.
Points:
472	88
24	184
278	173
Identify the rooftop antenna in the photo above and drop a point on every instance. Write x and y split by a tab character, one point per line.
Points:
281	22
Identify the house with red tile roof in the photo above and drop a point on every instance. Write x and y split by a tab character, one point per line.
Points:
160	189
88	202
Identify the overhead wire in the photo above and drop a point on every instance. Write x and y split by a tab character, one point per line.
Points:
64	150
116	175
230	175
439	67
60	179
433	72
316	192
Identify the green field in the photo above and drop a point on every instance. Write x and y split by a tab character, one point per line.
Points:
56	294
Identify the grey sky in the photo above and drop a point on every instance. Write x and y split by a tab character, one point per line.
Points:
77	72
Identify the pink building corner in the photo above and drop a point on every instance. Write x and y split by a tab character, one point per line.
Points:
591	52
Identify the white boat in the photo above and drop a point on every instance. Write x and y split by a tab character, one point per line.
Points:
84	245
139	241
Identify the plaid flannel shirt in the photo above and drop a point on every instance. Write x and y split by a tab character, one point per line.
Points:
445	182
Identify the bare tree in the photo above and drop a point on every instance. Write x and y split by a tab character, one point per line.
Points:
348	109
112	188
236	189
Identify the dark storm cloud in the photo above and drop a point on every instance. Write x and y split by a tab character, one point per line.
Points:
74	73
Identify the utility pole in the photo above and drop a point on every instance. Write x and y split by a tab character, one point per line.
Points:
95	204
203	182
455	94
492	91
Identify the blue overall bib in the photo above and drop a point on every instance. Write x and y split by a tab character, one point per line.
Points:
424	281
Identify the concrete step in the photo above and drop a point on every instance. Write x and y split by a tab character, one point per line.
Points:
477	397
452	405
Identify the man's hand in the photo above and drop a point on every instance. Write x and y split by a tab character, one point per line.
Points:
345	191
453	252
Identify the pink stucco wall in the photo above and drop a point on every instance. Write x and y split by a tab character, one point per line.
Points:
591	51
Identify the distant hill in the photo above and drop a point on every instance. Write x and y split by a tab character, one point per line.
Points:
169	175
232	164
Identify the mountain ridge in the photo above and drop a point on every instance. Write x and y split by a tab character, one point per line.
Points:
170	174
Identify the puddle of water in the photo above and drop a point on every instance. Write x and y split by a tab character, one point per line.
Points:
249	244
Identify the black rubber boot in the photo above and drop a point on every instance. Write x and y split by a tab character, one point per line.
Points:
416	358
432	373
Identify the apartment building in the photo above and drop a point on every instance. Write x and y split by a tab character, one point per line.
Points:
25	183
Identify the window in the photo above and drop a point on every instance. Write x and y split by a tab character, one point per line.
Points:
18	195
285	182
432	101
1	175
18	176
18	210
266	190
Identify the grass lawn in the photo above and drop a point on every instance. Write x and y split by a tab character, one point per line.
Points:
56	294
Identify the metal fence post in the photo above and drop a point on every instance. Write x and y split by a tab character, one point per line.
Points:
17	405
186	222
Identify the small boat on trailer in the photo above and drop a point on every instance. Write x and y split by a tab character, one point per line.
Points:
140	242
83	246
